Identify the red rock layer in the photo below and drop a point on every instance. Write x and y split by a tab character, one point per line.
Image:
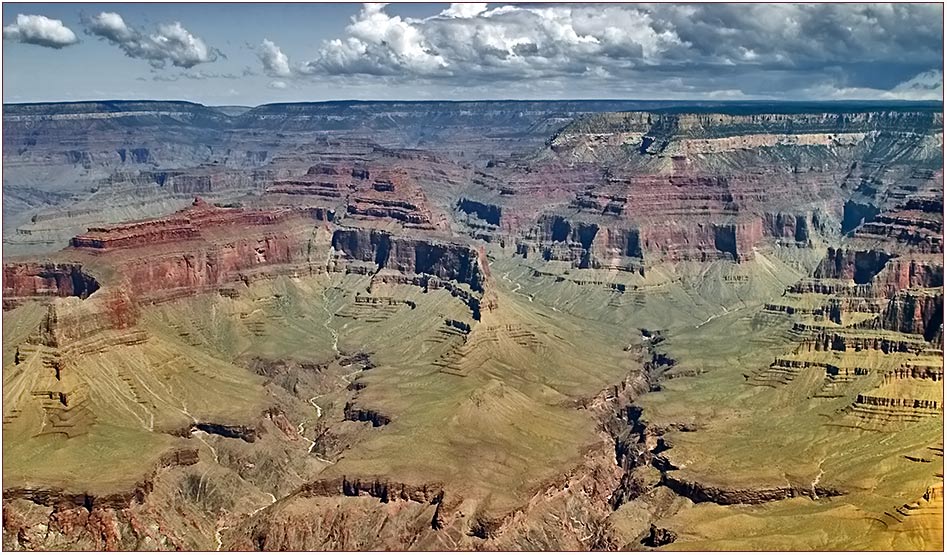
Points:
188	224
210	265
393	195
380	186
919	312
36	279
899	249
681	216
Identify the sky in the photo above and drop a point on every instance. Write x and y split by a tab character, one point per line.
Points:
251	54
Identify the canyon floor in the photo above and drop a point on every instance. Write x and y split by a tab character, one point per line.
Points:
561	326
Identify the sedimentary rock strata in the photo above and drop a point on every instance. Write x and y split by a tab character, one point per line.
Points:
881	292
389	326
33	279
412	256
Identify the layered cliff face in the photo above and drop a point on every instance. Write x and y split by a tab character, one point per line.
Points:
689	135
918	312
34	279
706	186
446	261
380	187
879	293
859	266
798	157
899	248
200	247
204	247
143	135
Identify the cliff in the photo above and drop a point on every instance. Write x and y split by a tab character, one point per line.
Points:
189	224
919	312
34	279
702	186
444	260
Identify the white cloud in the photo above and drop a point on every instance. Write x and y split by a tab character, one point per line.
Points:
41	31
465	9
470	41
275	63
169	43
639	50
378	44
110	25
278	85
727	94
928	85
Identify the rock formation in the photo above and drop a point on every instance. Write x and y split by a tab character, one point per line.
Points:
33	279
463	326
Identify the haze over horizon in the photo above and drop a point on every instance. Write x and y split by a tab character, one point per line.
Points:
648	104
251	54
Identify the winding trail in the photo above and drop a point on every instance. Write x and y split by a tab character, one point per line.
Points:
302	425
220	529
347	378
199	434
815	481
220	540
301	429
713	317
272	500
151	426
325	307
312	401
194	432
518	285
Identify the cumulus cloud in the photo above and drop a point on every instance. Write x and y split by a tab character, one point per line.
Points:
378	44
465	9
41	31
928	85
278	85
737	51
169	43
275	63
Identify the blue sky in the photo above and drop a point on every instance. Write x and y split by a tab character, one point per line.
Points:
95	69
251	54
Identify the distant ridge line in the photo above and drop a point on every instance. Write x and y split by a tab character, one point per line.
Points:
741	107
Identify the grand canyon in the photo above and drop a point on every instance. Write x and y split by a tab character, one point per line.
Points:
473	325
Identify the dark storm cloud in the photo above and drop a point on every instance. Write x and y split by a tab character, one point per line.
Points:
807	35
835	50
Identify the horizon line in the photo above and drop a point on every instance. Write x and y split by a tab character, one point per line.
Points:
486	100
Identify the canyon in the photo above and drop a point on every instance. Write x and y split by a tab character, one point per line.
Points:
473	326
